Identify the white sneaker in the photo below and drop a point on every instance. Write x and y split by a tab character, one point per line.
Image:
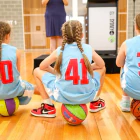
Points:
125	105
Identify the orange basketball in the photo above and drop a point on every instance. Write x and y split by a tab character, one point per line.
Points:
135	108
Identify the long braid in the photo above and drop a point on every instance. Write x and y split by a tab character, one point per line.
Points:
4	30
78	34
59	60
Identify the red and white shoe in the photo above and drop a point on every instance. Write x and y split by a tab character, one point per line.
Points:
45	110
96	106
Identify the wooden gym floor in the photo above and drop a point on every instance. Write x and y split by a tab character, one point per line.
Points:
108	124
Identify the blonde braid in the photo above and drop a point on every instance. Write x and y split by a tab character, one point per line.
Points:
78	34
59	60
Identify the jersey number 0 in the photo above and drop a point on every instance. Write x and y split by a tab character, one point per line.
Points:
9	77
73	66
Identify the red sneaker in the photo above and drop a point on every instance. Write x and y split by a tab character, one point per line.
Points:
45	110
96	106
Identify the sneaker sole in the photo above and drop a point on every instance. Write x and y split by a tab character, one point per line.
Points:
125	110
96	110
44	115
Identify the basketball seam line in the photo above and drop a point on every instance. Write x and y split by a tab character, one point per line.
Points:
73	114
84	110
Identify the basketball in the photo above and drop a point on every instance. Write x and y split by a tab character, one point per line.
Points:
135	108
8	106
74	114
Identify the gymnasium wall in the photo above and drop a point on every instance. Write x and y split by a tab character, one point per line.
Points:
11	11
122	21
127	11
132	10
34	25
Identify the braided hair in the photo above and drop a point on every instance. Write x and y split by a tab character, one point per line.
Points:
4	30
72	32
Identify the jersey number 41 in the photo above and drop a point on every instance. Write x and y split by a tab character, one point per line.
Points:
73	67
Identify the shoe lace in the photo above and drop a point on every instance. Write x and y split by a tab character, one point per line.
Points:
101	100
42	106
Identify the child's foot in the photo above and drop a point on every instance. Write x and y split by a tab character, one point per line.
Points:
24	100
125	105
45	110
96	106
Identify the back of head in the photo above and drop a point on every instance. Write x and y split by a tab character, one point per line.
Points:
72	32
5	29
137	22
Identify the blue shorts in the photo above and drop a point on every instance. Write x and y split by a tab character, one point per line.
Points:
126	88
49	82
23	88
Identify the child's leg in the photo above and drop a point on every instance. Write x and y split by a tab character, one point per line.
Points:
98	104
102	74
47	109
125	103
36	91
38	76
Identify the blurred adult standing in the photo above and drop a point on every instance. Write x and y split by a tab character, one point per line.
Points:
55	16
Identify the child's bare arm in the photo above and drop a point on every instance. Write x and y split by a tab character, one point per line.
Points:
98	61
45	64
120	60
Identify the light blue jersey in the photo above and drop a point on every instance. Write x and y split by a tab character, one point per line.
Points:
11	84
130	77
76	85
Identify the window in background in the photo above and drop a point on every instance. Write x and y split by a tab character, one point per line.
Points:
34	22
84	1
34	25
